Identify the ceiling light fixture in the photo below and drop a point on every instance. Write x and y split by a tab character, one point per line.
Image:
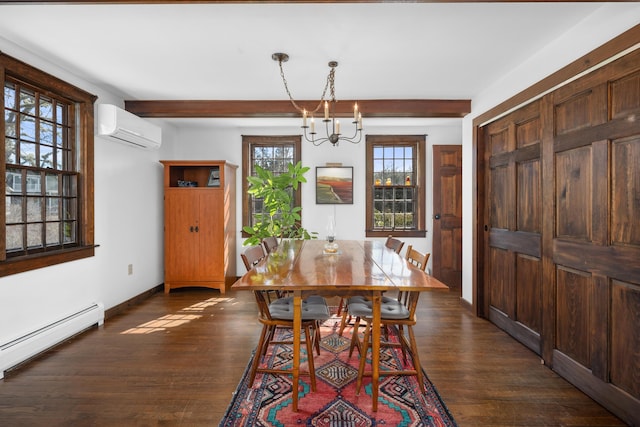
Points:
332	126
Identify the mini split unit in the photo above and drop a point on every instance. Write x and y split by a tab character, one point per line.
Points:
122	126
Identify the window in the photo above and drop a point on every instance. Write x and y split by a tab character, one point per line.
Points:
269	152
395	185
48	151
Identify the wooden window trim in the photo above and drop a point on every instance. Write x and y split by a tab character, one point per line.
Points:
419	141
249	141
84	102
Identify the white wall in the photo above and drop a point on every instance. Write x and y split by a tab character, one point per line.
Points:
226	144
603	25
128	230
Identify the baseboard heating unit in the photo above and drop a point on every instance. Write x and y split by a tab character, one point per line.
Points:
29	345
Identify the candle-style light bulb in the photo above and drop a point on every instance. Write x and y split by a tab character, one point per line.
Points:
338	127
304	118
313	125
326	110
355	112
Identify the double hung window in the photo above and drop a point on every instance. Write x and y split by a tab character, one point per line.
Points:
395	185
273	153
48	135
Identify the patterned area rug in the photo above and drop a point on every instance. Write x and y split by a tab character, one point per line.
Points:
334	403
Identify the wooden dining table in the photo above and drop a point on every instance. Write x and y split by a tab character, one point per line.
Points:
368	268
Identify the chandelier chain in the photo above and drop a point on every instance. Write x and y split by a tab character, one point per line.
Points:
330	77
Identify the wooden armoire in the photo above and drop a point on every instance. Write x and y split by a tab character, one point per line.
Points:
199	224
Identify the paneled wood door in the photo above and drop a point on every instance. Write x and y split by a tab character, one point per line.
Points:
562	241
514	273
446	254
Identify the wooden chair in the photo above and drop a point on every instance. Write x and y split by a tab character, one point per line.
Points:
394	244
280	315
398	313
416	258
391	243
270	243
252	255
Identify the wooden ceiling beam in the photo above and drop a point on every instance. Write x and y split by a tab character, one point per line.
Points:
260	108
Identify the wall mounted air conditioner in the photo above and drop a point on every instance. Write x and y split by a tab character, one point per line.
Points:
121	126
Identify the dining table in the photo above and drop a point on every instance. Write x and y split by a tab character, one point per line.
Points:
306	267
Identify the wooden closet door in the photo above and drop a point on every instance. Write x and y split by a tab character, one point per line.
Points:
595	183
562	240
513	240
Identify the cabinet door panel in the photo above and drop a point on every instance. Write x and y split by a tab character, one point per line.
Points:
211	236
181	257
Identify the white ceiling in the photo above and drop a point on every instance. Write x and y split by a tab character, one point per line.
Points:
223	51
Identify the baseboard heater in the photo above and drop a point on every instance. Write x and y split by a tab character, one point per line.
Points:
29	345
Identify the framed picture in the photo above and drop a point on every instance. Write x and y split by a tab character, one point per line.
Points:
214	177
334	185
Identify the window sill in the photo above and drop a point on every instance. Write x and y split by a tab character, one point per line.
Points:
396	233
32	262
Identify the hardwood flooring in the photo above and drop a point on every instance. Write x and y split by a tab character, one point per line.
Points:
175	360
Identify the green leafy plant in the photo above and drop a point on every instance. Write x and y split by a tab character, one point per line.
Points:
279	218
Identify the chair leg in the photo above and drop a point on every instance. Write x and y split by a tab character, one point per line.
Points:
363	357
355	341
343	321
317	337
308	337
416	359
257	355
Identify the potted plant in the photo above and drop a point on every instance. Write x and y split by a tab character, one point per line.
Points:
280	218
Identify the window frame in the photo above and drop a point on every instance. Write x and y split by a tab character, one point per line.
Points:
84	153
419	145
250	141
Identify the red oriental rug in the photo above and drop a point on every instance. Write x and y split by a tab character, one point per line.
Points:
400	403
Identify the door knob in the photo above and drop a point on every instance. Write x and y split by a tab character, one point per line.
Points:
436	216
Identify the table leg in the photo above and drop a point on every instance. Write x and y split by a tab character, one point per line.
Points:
297	324
375	349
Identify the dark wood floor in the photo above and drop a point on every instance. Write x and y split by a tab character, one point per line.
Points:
176	359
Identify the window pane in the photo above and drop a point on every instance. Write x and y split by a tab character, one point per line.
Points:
60	114
27	128
34	209
34	236
15	237
34	185
27	154
10	150
52	209
10	123
52	184
46	157
69	232
60	136
46	108
69	186
9	96
15	206
69	209
53	233
46	133
27	101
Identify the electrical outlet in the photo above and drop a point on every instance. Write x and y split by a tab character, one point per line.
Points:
130	267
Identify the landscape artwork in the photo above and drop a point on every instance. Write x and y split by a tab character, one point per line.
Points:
334	185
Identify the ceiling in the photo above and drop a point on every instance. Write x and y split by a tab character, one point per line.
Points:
223	51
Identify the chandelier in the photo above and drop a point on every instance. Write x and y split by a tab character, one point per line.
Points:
331	125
